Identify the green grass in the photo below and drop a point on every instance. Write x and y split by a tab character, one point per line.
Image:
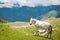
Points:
8	33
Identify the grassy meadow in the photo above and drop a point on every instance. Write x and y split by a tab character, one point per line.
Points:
18	31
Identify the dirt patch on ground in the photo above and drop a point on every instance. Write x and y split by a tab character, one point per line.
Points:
24	26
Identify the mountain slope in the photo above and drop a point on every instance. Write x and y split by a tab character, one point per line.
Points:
2	20
51	14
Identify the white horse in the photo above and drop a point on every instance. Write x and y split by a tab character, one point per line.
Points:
42	24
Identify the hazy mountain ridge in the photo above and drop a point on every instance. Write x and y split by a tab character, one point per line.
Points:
24	13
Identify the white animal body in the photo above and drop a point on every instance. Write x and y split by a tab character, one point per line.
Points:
43	24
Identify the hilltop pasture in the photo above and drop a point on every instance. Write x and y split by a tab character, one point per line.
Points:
23	31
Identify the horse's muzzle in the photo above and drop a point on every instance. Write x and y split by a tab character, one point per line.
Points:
30	24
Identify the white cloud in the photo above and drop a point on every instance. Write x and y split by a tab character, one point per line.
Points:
30	3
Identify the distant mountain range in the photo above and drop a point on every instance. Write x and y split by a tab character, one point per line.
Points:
25	13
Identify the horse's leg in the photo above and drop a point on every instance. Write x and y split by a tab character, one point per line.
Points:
47	32
50	31
50	34
37	32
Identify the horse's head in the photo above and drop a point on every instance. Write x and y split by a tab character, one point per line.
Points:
32	21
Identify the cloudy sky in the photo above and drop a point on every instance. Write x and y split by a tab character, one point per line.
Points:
29	3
